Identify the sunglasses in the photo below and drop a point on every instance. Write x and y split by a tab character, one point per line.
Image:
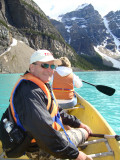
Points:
45	65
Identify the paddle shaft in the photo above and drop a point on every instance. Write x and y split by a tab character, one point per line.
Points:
89	83
117	137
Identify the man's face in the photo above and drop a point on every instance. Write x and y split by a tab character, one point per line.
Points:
44	74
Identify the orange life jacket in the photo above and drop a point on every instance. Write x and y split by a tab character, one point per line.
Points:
54	108
63	86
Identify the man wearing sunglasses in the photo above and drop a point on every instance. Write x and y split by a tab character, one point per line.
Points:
35	110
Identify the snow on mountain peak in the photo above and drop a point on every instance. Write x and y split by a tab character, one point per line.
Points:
82	6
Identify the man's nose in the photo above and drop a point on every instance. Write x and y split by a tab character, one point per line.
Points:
49	69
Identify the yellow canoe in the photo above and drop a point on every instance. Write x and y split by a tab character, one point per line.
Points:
102	149
98	148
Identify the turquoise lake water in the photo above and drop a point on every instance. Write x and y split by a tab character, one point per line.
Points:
108	106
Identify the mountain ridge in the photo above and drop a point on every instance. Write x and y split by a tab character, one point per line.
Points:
23	20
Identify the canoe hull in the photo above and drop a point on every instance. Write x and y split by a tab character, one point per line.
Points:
90	116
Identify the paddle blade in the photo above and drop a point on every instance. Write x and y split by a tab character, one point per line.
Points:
106	90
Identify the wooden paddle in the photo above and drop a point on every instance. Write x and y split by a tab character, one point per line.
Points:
117	137
104	89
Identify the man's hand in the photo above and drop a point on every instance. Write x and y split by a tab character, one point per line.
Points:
83	156
82	125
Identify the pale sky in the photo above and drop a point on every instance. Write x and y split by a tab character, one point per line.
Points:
53	8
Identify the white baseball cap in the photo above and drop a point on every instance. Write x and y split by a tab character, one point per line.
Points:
44	56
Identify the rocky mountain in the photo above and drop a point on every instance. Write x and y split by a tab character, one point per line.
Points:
89	34
23	20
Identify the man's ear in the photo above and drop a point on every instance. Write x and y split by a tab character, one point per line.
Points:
31	68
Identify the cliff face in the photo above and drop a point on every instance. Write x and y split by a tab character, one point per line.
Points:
113	21
84	27
25	21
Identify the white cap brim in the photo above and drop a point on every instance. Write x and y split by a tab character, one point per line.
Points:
48	59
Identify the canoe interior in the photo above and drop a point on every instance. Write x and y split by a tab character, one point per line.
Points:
90	116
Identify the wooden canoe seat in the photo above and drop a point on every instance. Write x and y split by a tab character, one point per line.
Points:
109	153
